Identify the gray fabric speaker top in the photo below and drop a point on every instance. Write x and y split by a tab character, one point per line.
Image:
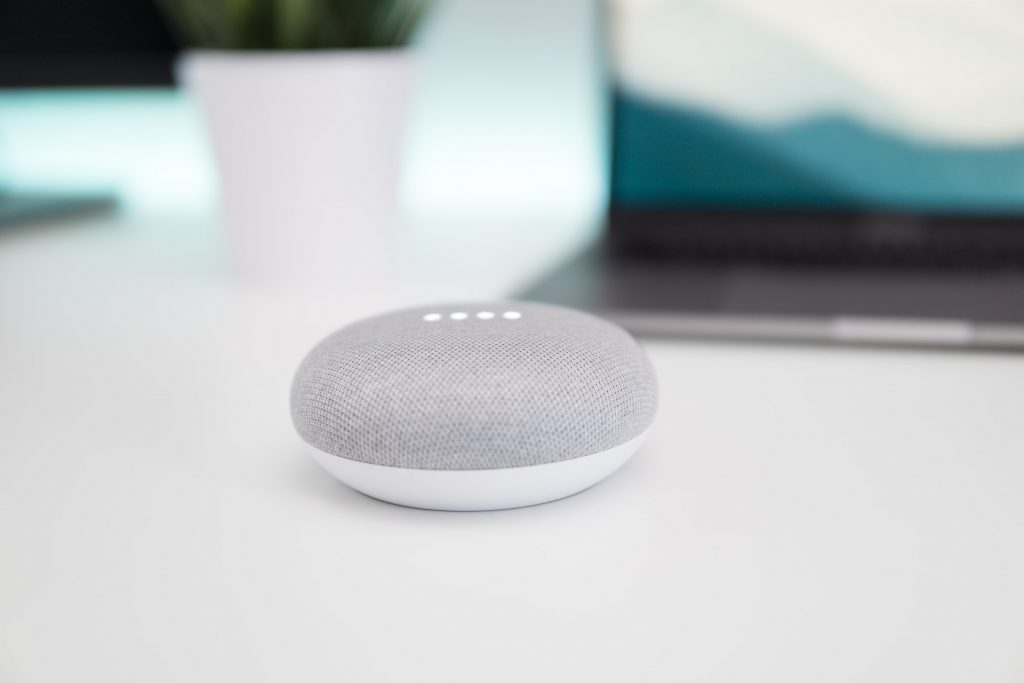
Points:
474	392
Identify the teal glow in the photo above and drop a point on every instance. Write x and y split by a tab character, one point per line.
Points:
146	145
671	155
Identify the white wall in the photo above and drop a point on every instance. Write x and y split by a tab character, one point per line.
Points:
509	114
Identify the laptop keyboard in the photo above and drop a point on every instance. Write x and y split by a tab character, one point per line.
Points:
889	241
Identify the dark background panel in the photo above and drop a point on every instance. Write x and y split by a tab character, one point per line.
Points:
84	43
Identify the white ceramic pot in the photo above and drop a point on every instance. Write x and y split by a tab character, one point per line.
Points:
307	146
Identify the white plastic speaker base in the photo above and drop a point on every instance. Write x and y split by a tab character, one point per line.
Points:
466	490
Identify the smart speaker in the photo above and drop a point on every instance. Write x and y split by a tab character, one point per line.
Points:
474	406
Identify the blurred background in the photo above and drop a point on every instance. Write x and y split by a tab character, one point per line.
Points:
503	122
459	141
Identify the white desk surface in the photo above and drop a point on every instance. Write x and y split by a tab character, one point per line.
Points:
799	514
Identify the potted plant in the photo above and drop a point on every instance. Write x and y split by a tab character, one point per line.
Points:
304	102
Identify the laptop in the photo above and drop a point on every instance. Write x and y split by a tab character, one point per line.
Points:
759	191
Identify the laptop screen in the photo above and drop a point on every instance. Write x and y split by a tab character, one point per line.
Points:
899	104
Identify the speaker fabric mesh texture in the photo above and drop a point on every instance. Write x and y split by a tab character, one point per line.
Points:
475	393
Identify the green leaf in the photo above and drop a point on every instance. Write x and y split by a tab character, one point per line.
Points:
293	24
